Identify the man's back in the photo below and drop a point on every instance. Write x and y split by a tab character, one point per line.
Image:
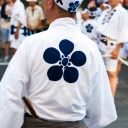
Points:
63	75
63	64
61	72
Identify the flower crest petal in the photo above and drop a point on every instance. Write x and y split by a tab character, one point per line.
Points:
66	47
70	9
77	2
55	73
71	4
71	74
51	55
78	58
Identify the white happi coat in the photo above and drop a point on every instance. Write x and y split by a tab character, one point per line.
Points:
62	73
90	29
18	15
116	28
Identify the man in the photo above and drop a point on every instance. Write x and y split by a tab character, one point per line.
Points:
84	18
34	14
18	30
112	31
62	74
6	16
84	15
90	26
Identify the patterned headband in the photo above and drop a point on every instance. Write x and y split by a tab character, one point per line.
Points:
69	5
93	13
84	11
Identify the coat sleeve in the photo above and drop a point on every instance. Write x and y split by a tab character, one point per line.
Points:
13	88
123	27
101	109
19	12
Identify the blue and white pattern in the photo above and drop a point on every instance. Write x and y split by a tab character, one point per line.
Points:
89	28
111	15
14	28
73	6
93	13
63	62
59	1
69	5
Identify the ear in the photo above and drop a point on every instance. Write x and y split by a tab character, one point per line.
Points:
51	4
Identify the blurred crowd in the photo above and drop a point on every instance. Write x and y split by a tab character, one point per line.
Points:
17	22
106	23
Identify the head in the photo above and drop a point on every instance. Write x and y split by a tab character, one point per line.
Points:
84	15
8	1
92	3
104	6
13	1
54	9
113	3
92	12
121	2
31	3
126	2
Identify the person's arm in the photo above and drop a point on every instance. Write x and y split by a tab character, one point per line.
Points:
21	17
13	87
122	30
115	53
100	109
17	31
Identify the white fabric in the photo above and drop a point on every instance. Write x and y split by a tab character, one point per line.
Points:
80	25
90	28
110	64
18	15
57	100
33	16
117	27
106	48
15	44
69	5
84	11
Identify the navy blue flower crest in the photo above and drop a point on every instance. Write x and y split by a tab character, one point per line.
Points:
89	28
63	62
73	6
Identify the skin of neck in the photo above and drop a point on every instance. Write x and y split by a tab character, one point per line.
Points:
10	3
13	1
58	13
33	5
114	5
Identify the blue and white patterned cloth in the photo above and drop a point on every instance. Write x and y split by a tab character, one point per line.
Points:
89	29
63	75
114	27
69	5
18	15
